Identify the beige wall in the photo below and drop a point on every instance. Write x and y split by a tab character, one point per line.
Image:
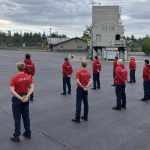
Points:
106	16
75	44
107	37
101	14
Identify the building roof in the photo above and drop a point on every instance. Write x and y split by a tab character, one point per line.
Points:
70	40
56	40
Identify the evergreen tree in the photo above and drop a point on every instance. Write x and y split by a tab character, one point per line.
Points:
87	33
146	45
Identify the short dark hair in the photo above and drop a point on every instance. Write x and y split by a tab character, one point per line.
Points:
21	66
146	61
27	56
96	57
66	59
83	63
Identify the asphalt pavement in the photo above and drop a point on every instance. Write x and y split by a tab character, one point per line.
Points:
51	113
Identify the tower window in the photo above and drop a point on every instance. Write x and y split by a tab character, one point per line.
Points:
117	36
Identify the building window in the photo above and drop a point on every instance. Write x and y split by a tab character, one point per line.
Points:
98	38
81	47
111	28
61	46
78	47
118	36
104	28
108	28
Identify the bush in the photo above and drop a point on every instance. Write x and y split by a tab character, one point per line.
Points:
146	45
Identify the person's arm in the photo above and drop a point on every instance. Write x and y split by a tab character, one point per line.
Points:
64	70
79	83
31	89
90	82
33	72
14	93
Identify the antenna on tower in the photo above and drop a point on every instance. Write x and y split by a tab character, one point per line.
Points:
94	3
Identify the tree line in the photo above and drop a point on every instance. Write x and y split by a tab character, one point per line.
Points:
8	39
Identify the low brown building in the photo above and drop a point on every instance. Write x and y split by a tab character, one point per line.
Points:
71	45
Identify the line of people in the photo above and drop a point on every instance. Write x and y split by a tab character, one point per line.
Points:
120	75
22	87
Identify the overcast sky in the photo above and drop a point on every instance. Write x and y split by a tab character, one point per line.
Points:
69	16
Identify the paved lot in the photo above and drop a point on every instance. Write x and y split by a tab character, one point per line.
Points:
51	113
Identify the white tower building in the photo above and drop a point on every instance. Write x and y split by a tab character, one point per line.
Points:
107	31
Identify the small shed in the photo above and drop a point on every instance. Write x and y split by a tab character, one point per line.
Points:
71	45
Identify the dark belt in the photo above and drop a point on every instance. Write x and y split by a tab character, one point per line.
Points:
21	94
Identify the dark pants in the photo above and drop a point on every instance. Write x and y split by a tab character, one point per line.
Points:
146	85
21	109
81	95
96	80
114	76
66	81
132	76
32	95
121	95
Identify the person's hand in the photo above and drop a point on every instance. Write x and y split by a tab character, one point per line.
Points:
85	88
25	98
21	98
68	75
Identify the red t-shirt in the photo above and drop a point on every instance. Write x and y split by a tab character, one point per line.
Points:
84	76
132	64
96	66
30	68
21	82
121	74
67	69
146	72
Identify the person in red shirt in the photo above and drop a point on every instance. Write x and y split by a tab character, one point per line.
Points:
30	69
21	87
66	71
96	73
132	67
114	67
120	83
83	79
146	81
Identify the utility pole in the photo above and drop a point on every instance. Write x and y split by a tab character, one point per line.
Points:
50	46
94	3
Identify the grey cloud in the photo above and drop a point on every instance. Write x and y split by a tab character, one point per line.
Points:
71	14
46	12
138	10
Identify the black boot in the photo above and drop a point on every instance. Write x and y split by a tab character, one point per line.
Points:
63	93
144	99
75	120
84	118
116	108
15	139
